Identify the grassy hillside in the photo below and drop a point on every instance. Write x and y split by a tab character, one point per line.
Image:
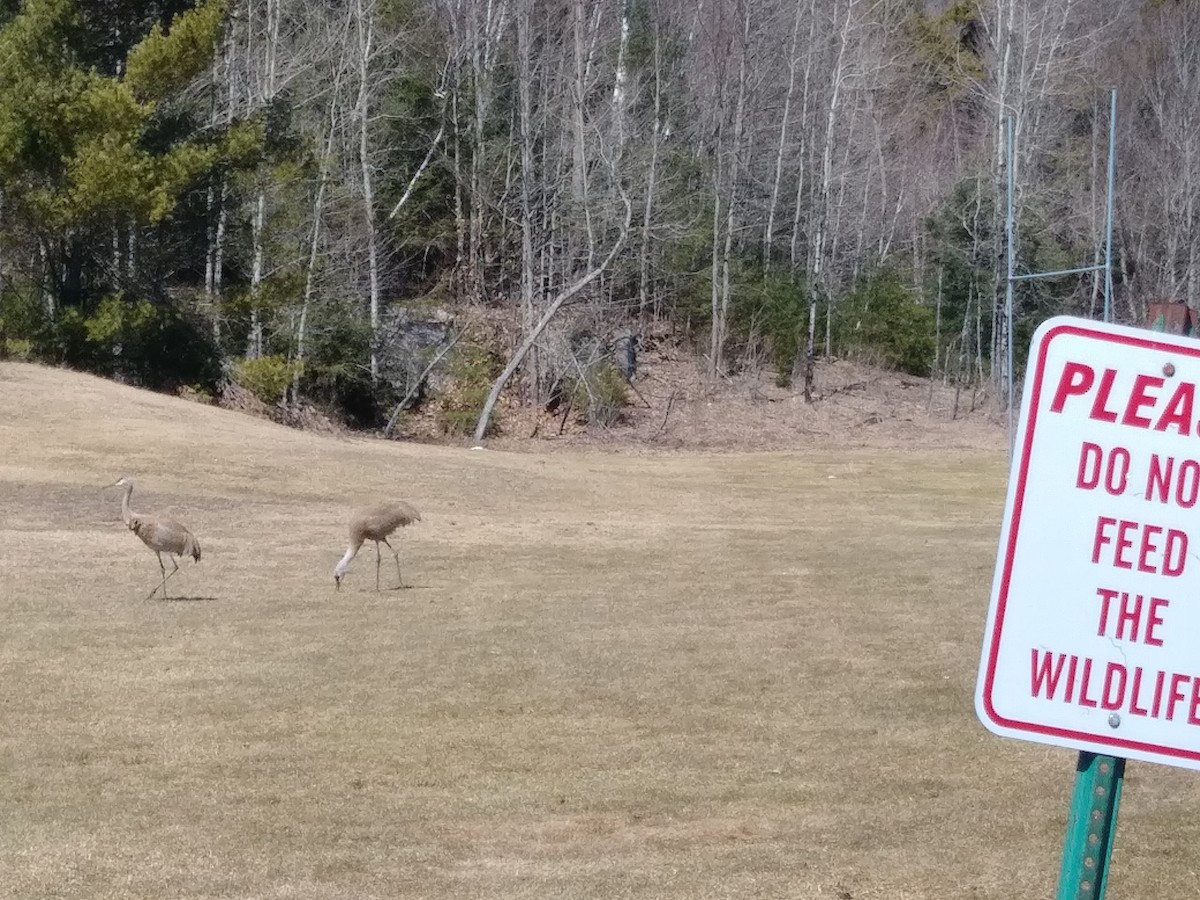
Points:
675	677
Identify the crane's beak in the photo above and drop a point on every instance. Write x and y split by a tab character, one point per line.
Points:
337	582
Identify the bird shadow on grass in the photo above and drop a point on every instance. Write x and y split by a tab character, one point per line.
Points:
182	600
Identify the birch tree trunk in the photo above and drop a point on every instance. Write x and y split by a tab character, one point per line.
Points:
621	81
724	182
365	33
1004	107
480	86
739	122
527	138
797	262
820	285
266	93
717	335
218	193
579	181
651	184
325	163
781	147
255	348
460	217
486	22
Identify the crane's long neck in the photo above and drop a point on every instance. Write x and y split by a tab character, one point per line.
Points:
126	512
345	561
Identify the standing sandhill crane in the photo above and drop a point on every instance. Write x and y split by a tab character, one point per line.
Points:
375	524
160	535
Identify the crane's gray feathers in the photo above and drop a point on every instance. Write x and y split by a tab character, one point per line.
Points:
376	523
165	536
160	535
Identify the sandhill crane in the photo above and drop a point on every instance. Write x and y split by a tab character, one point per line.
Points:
375	524
160	535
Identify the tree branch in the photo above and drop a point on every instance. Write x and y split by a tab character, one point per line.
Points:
530	339
387	432
420	171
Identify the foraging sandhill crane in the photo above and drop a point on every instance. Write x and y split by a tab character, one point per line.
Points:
376	523
160	535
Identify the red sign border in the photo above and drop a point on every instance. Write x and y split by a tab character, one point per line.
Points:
1079	328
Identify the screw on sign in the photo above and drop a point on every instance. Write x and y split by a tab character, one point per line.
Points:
1089	636
1089	639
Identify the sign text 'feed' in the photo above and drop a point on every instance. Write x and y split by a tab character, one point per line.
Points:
1093	632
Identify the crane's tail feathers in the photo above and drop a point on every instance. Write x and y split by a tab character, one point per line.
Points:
191	547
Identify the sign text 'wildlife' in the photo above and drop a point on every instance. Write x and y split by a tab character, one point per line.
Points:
1093	633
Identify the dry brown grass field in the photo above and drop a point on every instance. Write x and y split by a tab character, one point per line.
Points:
613	676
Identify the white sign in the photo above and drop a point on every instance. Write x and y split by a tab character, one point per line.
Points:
1093	632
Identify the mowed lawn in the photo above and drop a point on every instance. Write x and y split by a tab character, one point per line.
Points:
612	676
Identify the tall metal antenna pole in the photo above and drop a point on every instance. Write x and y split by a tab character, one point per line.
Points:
1013	277
1008	292
1108	218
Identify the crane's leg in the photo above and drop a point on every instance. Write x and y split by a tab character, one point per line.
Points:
399	577
163	585
175	563
377	565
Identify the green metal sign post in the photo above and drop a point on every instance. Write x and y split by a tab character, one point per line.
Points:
1091	823
1092	820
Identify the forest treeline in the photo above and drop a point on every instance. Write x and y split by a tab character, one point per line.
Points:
324	201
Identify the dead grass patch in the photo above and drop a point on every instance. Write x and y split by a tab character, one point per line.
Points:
682	676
